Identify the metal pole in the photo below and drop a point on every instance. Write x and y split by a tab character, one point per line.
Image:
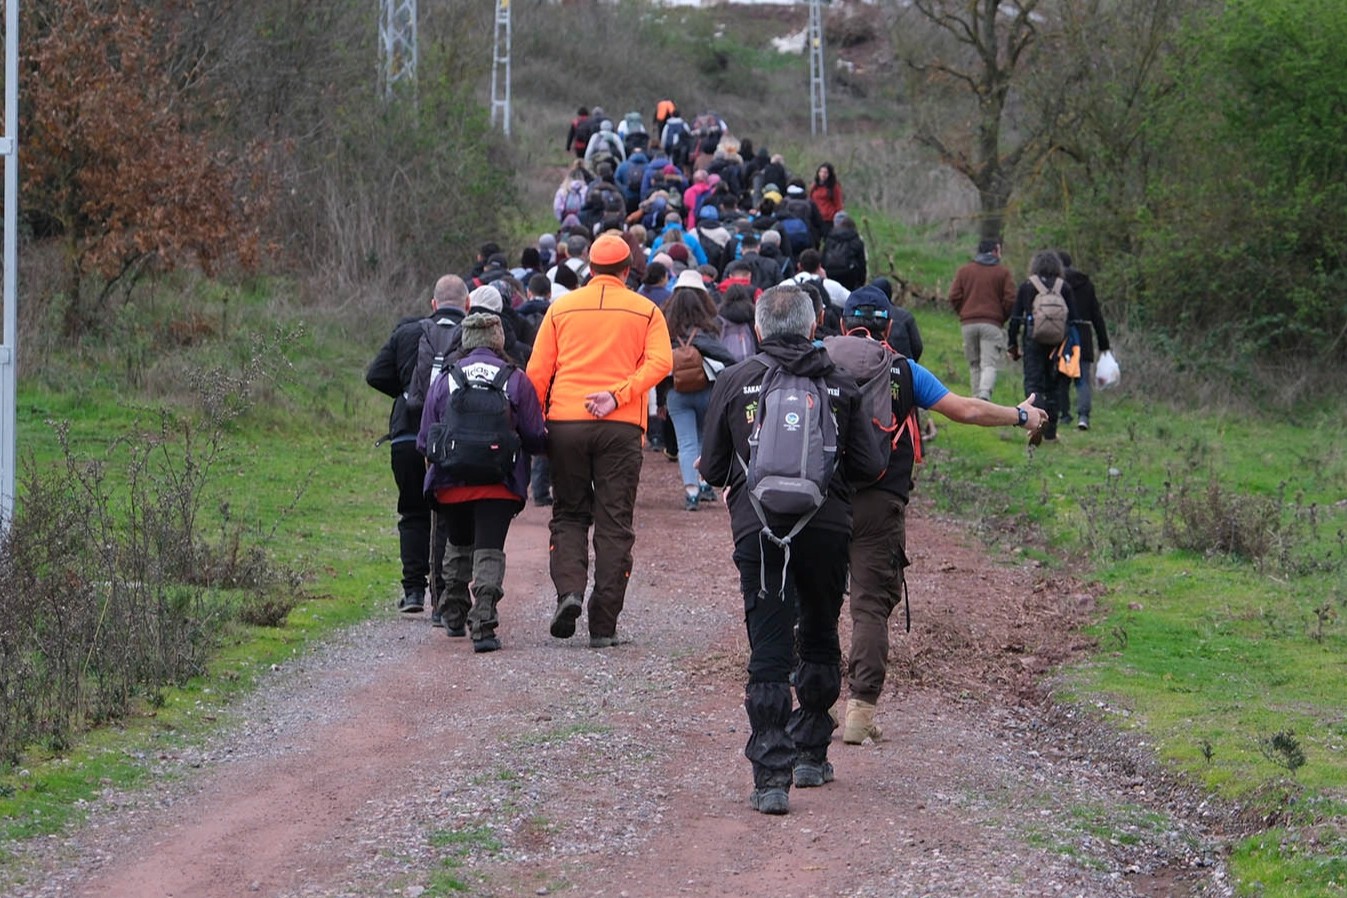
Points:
397	45
9	146
818	99
500	68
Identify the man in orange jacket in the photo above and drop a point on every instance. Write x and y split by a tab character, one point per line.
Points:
598	351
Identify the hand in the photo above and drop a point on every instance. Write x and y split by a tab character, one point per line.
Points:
662	412
1037	416
600	405
1014	353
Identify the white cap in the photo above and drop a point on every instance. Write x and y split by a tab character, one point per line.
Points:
485	297
691	278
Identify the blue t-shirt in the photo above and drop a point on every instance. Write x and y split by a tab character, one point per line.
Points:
927	389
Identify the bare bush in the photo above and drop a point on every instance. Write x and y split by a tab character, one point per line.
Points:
108	578
1213	519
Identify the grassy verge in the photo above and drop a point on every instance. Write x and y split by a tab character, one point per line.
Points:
1227	653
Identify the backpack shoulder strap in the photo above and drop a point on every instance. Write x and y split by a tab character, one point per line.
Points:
1038	283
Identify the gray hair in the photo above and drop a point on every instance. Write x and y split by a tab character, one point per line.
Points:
784	310
1046	264
451	292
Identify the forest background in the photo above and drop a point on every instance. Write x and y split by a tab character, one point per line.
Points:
223	213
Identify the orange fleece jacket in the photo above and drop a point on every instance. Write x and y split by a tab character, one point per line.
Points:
600	338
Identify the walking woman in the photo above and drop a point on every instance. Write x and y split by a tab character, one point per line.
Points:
693	319
478	514
826	195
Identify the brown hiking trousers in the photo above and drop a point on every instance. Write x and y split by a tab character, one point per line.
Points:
596	468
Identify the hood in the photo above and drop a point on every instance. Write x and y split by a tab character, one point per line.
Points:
987	259
798	355
737	311
846	236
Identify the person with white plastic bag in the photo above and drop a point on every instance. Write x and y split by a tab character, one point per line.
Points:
1089	323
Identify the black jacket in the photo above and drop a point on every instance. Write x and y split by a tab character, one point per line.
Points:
729	421
1024	303
844	258
1089	320
391	371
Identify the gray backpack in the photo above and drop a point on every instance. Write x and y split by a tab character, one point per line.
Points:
792	452
431	350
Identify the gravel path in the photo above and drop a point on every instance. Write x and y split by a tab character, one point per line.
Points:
393	761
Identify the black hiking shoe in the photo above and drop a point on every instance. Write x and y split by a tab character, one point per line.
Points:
568	610
414	602
486	644
771	800
812	773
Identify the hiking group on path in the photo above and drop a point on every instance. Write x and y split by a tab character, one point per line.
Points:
698	300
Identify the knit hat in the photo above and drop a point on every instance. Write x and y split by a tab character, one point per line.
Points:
795	190
664	259
678	252
709	213
609	249
485	297
773	195
483	329
868	302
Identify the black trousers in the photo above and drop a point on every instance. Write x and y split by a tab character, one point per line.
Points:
781	653
414	522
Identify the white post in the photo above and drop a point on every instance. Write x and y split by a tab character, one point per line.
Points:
9	146
818	97
398	52
500	68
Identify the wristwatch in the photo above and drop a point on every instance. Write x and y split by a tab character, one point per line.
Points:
1024	416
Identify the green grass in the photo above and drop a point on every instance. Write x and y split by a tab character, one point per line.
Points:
1206	656
456	848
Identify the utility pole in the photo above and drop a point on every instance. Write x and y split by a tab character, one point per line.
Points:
818	97
397	46
500	68
9	348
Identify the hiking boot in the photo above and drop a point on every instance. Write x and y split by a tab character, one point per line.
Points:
606	642
413	602
860	723
1083	423
771	800
812	773
455	632
543	501
486	644
436	618
707	493
569	607
690	502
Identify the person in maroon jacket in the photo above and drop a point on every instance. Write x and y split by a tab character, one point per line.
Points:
983	293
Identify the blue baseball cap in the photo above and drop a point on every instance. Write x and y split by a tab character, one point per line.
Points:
868	302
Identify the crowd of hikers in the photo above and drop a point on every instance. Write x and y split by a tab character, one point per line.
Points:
698	299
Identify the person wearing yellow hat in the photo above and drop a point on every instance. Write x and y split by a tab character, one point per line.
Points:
598	351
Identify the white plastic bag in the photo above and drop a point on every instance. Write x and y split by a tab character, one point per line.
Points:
1106	371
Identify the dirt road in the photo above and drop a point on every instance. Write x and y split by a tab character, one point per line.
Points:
395	762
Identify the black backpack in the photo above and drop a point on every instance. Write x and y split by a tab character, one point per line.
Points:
476	442
436	335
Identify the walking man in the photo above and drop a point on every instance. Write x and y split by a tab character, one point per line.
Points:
598	351
983	293
787	744
392	372
879	510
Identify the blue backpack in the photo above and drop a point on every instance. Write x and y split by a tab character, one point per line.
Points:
797	232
